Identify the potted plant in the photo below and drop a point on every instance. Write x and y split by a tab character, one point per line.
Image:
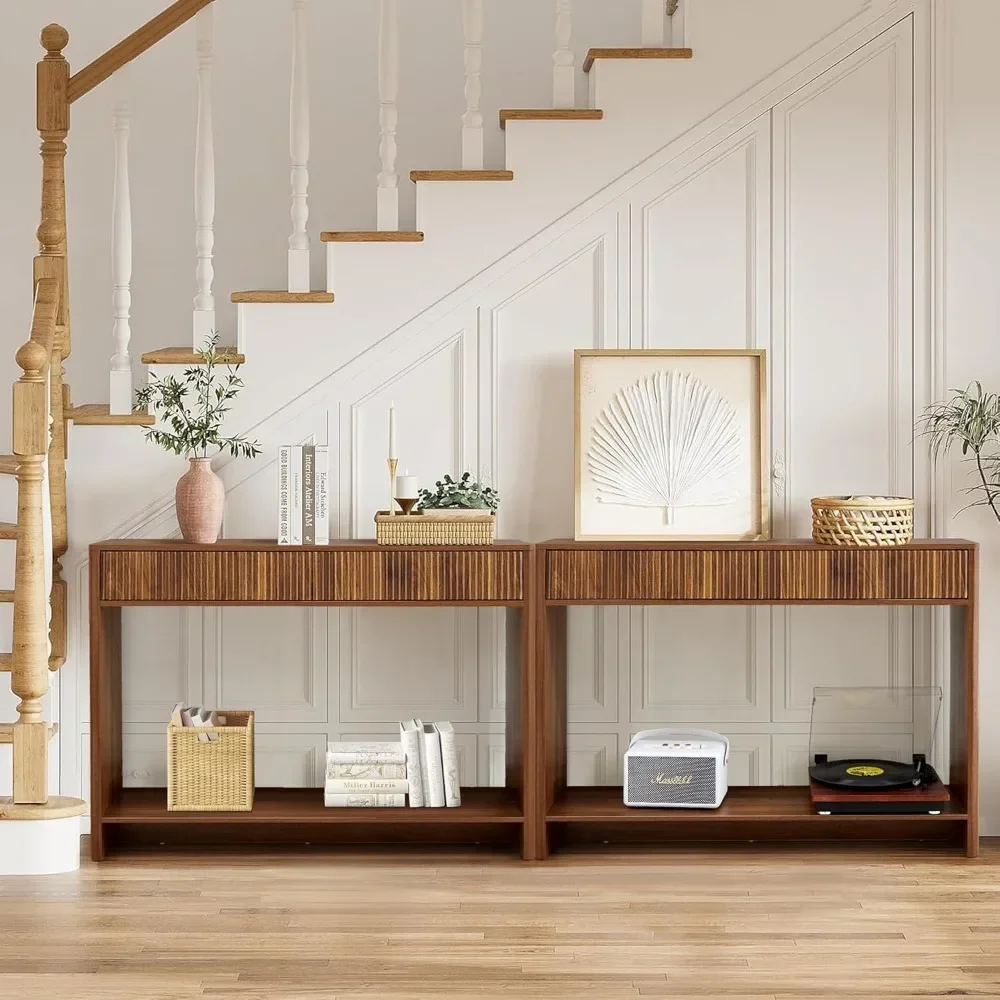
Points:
463	498
194	408
970	418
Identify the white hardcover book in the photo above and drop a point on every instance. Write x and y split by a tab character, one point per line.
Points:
322	494
411	739
364	753
449	764
284	496
295	493
365	786
335	770
355	801
434	785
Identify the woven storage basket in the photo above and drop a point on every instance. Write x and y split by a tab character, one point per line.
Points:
415	529
862	522
211	777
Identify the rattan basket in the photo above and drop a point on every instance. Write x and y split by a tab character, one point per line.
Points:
437	529
211	777
862	522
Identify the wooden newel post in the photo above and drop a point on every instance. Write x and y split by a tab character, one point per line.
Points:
53	122
30	668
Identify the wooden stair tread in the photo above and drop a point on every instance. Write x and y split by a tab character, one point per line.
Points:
262	295
99	414
186	356
461	175
8	530
595	54
8	465
6	596
372	236
549	115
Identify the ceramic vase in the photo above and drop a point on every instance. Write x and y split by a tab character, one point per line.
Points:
200	498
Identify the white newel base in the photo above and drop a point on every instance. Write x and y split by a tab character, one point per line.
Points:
204	327
39	846
298	271
121	392
387	209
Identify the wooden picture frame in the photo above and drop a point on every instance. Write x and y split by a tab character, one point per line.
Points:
718	397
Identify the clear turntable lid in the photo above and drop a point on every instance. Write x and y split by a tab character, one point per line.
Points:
882	723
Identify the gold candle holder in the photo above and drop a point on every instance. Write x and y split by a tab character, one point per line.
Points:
393	462
407	503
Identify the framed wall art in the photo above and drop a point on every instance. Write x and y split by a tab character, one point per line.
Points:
670	444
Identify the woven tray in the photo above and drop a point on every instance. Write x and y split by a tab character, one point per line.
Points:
211	777
415	529
862	522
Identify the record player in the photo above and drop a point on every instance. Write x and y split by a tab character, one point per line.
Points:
853	731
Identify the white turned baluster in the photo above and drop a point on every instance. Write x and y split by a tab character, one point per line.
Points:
653	24
204	181
564	69
675	11
387	206
121	251
298	242
472	120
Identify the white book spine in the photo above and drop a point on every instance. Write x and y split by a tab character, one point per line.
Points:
335	770
434	785
322	494
355	801
284	496
411	738
449	764
365	786
295	492
364	757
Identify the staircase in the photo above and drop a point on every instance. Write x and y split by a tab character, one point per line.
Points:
467	219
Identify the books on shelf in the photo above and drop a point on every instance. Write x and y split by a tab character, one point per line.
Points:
365	775
194	717
421	768
304	495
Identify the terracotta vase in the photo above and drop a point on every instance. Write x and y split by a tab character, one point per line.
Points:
200	498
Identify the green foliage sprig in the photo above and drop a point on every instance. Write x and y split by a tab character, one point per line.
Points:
194	406
970	418
467	494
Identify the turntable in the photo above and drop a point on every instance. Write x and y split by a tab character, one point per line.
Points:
850	733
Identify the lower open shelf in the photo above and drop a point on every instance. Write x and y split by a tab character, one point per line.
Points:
597	815
296	817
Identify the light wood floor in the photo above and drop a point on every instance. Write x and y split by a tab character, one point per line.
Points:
775	925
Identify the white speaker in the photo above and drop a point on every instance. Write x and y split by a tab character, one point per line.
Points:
677	769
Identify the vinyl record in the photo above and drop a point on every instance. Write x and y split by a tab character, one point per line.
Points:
868	774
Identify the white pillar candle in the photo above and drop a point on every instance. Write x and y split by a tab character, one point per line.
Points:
392	431
407	487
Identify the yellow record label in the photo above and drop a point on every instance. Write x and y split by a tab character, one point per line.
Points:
865	771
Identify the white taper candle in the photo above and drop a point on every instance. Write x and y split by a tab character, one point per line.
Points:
392	431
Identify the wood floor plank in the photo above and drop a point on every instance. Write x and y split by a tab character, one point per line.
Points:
810	925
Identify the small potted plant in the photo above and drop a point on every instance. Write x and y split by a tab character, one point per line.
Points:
971	419
194	408
463	498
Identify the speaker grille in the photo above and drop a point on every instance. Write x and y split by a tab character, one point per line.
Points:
672	780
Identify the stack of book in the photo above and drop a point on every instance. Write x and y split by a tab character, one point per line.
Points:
304	495
184	716
371	775
432	763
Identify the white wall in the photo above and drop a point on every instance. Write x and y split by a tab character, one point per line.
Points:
251	115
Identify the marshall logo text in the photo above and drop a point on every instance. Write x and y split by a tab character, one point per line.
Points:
674	779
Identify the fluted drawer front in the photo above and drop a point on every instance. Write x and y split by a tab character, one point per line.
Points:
634	576
311	576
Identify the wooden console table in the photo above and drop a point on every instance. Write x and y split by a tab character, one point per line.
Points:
126	573
596	573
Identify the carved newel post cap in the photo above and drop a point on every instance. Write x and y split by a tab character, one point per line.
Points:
50	233
54	38
31	357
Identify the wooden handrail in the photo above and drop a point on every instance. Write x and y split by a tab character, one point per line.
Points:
138	42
